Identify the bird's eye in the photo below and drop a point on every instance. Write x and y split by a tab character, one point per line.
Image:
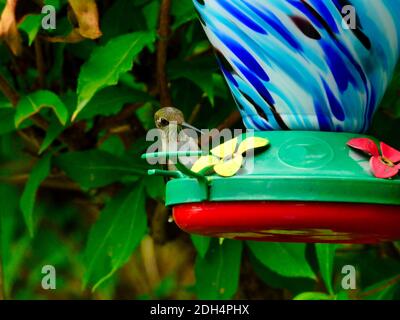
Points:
164	122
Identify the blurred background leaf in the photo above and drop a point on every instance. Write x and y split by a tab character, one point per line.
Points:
38	174
325	256
96	168
107	63
217	274
115	235
286	259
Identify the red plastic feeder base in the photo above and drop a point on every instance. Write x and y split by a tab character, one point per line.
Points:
291	221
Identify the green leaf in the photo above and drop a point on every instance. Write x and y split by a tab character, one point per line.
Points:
313	296
384	290
55	3
122	17
110	101
183	12
7	117
220	87
201	244
155	187
8	212
286	259
106	64
54	130
217	275
38	174
34	102
274	280
113	145
199	71
4	102
151	13
325	256
145	115
55	73
165	288
113	238
128	80
13	266
342	295
371	267
188	94
31	25
96	168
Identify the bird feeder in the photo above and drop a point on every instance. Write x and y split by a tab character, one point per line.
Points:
308	79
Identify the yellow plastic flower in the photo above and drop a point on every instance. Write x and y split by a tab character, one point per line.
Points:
227	158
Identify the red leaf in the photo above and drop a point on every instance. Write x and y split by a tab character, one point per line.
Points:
390	153
364	144
382	170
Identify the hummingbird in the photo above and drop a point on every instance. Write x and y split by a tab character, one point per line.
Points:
171	122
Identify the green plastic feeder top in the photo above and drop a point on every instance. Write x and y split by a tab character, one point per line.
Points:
297	166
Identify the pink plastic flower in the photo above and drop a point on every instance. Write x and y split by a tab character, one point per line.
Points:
384	164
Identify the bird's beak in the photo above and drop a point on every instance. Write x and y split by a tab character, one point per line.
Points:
187	125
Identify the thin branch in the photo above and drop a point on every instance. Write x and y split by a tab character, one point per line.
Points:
106	123
61	183
30	140
195	113
382	287
150	261
40	122
8	91
162	49
229	122
13	96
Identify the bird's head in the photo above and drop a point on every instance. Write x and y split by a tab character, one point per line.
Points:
168	116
